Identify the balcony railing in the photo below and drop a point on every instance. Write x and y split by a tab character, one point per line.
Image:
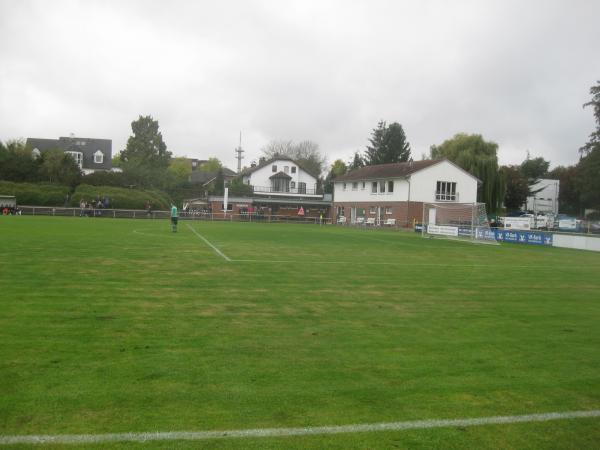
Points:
287	191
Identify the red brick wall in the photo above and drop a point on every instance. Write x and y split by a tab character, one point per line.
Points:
404	212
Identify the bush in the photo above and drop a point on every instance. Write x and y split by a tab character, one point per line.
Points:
101	178
122	198
35	194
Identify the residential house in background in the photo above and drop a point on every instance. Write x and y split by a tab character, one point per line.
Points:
374	194
544	198
90	154
278	188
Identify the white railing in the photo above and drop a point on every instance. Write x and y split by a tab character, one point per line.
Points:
291	191
157	214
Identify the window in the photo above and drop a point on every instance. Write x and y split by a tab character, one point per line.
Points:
388	210
355	186
286	169
374	187
98	157
302	188
274	168
36	153
381	187
344	186
293	169
293	184
364	185
390	186
77	156
445	191
372	210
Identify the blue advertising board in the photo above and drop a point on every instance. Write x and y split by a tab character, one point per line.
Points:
516	236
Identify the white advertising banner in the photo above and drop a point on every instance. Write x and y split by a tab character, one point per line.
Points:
442	230
518	223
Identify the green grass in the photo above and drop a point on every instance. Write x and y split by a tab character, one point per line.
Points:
120	325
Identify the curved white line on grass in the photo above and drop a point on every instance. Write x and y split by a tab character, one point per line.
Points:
279	432
219	252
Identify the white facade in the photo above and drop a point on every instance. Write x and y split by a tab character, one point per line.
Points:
441	182
299	181
546	200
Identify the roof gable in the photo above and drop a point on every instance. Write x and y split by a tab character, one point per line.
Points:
251	170
393	170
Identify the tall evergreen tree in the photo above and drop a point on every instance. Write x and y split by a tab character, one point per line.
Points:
146	145
388	145
357	162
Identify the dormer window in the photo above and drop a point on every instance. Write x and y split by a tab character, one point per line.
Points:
98	157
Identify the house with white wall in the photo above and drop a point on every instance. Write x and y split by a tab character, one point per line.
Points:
544	198
281	176
281	187
90	154
399	190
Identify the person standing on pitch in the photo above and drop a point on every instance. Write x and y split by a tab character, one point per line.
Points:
174	218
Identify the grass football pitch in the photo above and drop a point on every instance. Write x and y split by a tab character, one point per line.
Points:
118	326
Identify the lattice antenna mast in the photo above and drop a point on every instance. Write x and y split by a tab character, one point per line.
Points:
239	156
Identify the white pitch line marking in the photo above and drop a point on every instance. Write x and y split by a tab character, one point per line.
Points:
279	432
219	252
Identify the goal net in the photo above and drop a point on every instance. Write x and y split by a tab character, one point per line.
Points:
458	221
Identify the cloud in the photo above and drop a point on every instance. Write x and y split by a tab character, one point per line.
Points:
515	72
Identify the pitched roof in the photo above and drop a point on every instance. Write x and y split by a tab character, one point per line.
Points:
393	170
200	176
280	175
250	170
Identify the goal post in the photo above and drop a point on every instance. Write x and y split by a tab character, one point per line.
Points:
458	221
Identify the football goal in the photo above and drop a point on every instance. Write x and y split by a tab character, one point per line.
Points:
457	221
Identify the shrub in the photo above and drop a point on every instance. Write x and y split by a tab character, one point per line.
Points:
35	194
122	198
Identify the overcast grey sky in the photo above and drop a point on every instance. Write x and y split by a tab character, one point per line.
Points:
516	72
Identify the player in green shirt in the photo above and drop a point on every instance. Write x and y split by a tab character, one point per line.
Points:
174	218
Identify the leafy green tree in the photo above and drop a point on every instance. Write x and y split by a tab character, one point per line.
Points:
181	168
238	188
517	187
212	165
306	153
337	168
480	158
388	145
534	168
588	179
59	167
17	162
588	168
146	145
594	141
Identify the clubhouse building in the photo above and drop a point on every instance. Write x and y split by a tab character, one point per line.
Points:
395	193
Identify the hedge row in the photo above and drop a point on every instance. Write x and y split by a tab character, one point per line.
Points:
39	194
46	194
122	198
